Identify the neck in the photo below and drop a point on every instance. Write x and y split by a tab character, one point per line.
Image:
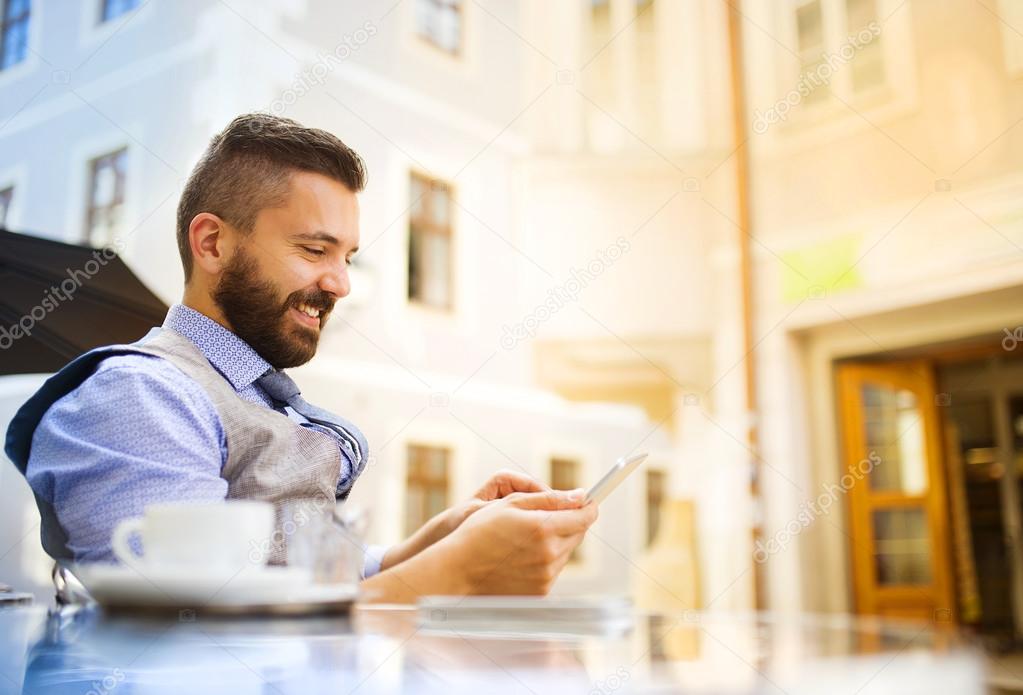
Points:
198	299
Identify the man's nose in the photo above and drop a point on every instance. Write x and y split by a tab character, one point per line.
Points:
336	282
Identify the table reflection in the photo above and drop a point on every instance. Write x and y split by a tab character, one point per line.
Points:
385	649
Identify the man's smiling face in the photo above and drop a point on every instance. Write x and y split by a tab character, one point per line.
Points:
285	276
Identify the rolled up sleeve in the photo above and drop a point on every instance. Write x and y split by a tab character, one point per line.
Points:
374	558
137	432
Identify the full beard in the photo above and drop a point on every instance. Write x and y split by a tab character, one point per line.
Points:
257	314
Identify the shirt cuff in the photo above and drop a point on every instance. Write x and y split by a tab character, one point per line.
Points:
374	558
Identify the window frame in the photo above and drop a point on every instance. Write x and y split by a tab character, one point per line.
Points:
6	22
439	6
1010	14
93	31
423	224
425	482
804	63
811	125
878	43
835	31
661	500
120	186
16	179
8	193
572	462
105	4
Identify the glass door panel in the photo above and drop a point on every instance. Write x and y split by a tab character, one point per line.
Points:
898	517
902	547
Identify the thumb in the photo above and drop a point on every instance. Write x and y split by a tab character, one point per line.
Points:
550	500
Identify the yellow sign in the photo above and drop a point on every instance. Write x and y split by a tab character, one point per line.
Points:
823	269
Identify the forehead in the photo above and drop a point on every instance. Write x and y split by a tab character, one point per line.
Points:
316	204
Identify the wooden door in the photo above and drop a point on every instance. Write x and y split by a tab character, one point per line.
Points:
896	490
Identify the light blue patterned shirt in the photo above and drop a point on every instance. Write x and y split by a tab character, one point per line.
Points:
139	431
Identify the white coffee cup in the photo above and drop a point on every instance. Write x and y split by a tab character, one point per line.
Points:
203	536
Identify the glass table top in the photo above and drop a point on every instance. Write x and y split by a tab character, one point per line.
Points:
387	649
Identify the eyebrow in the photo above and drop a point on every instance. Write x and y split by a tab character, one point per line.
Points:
316	236
320	236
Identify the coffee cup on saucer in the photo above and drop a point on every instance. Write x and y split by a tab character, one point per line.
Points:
205	537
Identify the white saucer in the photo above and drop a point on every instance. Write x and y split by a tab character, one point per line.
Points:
253	589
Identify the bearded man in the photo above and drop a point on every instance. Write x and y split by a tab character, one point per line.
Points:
201	409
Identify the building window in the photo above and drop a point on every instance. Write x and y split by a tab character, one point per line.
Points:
6	198
112	9
426	484
440	23
810	43
1011	14
647	78
840	48
430	249
14	33
599	77
600	25
103	217
655	496
565	476
868	65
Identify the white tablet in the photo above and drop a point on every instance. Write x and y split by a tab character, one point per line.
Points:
619	472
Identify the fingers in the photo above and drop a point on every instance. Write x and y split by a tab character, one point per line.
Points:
569	544
546	519
514	481
462	512
557	554
570	522
548	500
507	482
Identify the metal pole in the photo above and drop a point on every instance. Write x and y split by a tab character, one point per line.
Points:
746	272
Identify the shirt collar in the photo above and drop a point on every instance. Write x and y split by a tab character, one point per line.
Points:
229	354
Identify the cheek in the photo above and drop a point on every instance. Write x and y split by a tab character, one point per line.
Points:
298	275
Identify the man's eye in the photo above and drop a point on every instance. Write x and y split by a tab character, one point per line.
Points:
315	252
348	260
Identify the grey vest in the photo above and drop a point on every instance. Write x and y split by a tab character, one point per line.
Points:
269	456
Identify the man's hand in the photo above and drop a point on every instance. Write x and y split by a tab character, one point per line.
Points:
519	544
500	485
505	482
515	545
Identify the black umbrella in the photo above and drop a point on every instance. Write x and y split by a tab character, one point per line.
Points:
59	300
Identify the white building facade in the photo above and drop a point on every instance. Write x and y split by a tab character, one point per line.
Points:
111	104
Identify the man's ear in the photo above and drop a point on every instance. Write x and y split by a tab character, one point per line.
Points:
211	242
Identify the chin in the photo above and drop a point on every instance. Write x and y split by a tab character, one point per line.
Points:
291	349
303	350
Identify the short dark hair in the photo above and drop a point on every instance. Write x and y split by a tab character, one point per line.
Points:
248	167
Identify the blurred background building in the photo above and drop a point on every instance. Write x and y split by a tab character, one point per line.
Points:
887	291
798	283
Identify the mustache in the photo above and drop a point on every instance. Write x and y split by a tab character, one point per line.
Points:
317	299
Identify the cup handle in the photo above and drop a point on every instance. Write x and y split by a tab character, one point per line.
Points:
122	533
